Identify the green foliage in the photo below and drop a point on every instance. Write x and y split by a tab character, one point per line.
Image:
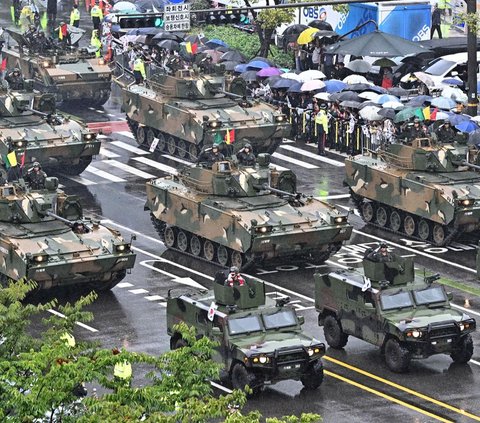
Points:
273	18
471	20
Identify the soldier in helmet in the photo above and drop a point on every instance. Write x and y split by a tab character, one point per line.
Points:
415	131
79	227
36	177
211	156
445	133
381	254
15	79
234	277
245	156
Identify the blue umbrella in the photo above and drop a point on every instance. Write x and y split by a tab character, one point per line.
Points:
334	85
386	97
478	87
283	83
467	126
215	42
296	88
376	89
257	64
242	67
443	103
420	100
452	81
456	119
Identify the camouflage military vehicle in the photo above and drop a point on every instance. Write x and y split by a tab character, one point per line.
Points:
237	215
70	73
42	238
387	305
261	340
187	112
423	190
30	127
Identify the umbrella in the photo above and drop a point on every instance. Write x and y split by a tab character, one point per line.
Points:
271	79
347	95
455	94
368	95
270	71
442	116
419	100
215	42
476	118
122	6
193	39
214	54
351	104
398	91
474	137
387	97
374	88
257	65
294	29
308	75
169	45
359	66
376	44
295	88
323	96
384	62
452	81
443	103
263	59
467	126
456	118
359	87
355	79
334	85
242	67
222	49
249	75
395	105
233	55
370	113
323	33
283	83
150	5
306	36
146	31
290	75
424	77
314	84
367	104
405	114
229	65
322	25
387	113
75	33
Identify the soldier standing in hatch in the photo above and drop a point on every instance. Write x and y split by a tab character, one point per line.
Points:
245	156
15	80
234	277
381	254
446	133
36	177
210	156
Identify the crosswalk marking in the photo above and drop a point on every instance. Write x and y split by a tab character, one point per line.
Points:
127	134
156	165
333	197
103	174
313	156
294	161
129	147
129	169
108	153
177	159
82	180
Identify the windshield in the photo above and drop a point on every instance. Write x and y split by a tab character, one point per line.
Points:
400	300
429	295
244	325
280	319
440	67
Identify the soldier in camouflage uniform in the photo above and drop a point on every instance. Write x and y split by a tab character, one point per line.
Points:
36	177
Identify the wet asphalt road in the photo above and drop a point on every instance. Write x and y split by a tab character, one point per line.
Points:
357	387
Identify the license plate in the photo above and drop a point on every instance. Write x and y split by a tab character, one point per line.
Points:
290	367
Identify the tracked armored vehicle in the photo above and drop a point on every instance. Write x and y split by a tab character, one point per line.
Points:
69	73
186	112
386	304
44	237
423	190
30	127
237	215
261	340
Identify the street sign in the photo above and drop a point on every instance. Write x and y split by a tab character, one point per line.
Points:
177	17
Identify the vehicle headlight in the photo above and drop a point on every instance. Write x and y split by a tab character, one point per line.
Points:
340	219
122	248
415	333
280	118
18	143
467	202
263	229
89	136
311	351
39	258
46	64
262	359
214	124
101	62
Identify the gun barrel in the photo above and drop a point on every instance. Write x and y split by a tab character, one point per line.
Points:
62	219
279	191
470	165
37	112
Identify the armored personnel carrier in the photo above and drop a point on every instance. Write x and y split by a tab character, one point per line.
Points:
386	304
185	112
30	127
44	237
261	340
69	73
237	215
421	189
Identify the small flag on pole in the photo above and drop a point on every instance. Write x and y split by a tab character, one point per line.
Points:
230	136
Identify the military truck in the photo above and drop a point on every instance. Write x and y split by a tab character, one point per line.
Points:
69	73
421	189
261	340
408	316
44	237
185	112
239	216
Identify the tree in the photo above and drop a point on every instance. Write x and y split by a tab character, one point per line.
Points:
39	374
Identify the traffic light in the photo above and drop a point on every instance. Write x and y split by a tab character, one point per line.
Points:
141	21
232	16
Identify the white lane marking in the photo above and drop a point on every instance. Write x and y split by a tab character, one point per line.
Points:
177	159
221	387
102	137
83	325
110	222
312	156
154	298
334	197
108	153
129	169
103	174
156	165
475	362
82	180
127	134
294	161
128	147
138	291
110	114
123	285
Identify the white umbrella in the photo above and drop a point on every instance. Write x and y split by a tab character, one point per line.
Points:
395	105
314	84
324	96
370	113
455	93
356	79
290	75
475	118
308	75
442	116
369	95
123	6
425	78
361	66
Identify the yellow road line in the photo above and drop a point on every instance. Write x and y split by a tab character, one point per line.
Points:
388	397
404	389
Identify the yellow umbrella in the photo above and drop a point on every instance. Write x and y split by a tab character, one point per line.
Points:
306	36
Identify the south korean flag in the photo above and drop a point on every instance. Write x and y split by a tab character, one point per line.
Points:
367	284
211	311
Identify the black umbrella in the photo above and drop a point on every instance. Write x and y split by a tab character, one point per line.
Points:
249	76
376	89
169	45
165	35
376	44
387	113
296	88
272	79
347	95
144	31
351	104
474	137
294	29
222	49
357	87
284	83
367	103
419	100
263	59
233	55
193	39
398	91
230	65
150	5
323	25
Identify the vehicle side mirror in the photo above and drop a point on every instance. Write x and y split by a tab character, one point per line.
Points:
301	320
450	296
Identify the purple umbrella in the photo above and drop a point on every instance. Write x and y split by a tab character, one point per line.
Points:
270	71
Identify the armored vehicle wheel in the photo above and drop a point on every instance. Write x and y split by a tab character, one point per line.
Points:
104	286
208	250
132	125
334	334
382	216
140	135
195	245
367	211
182	149
192	151
169	237
395	221
222	255
438	234
397	356
237	259
241	377
463	351
171	146
150	136
182	241
423	230
313	376
76	169
409	225
162	142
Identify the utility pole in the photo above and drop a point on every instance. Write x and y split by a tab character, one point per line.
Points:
472	61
